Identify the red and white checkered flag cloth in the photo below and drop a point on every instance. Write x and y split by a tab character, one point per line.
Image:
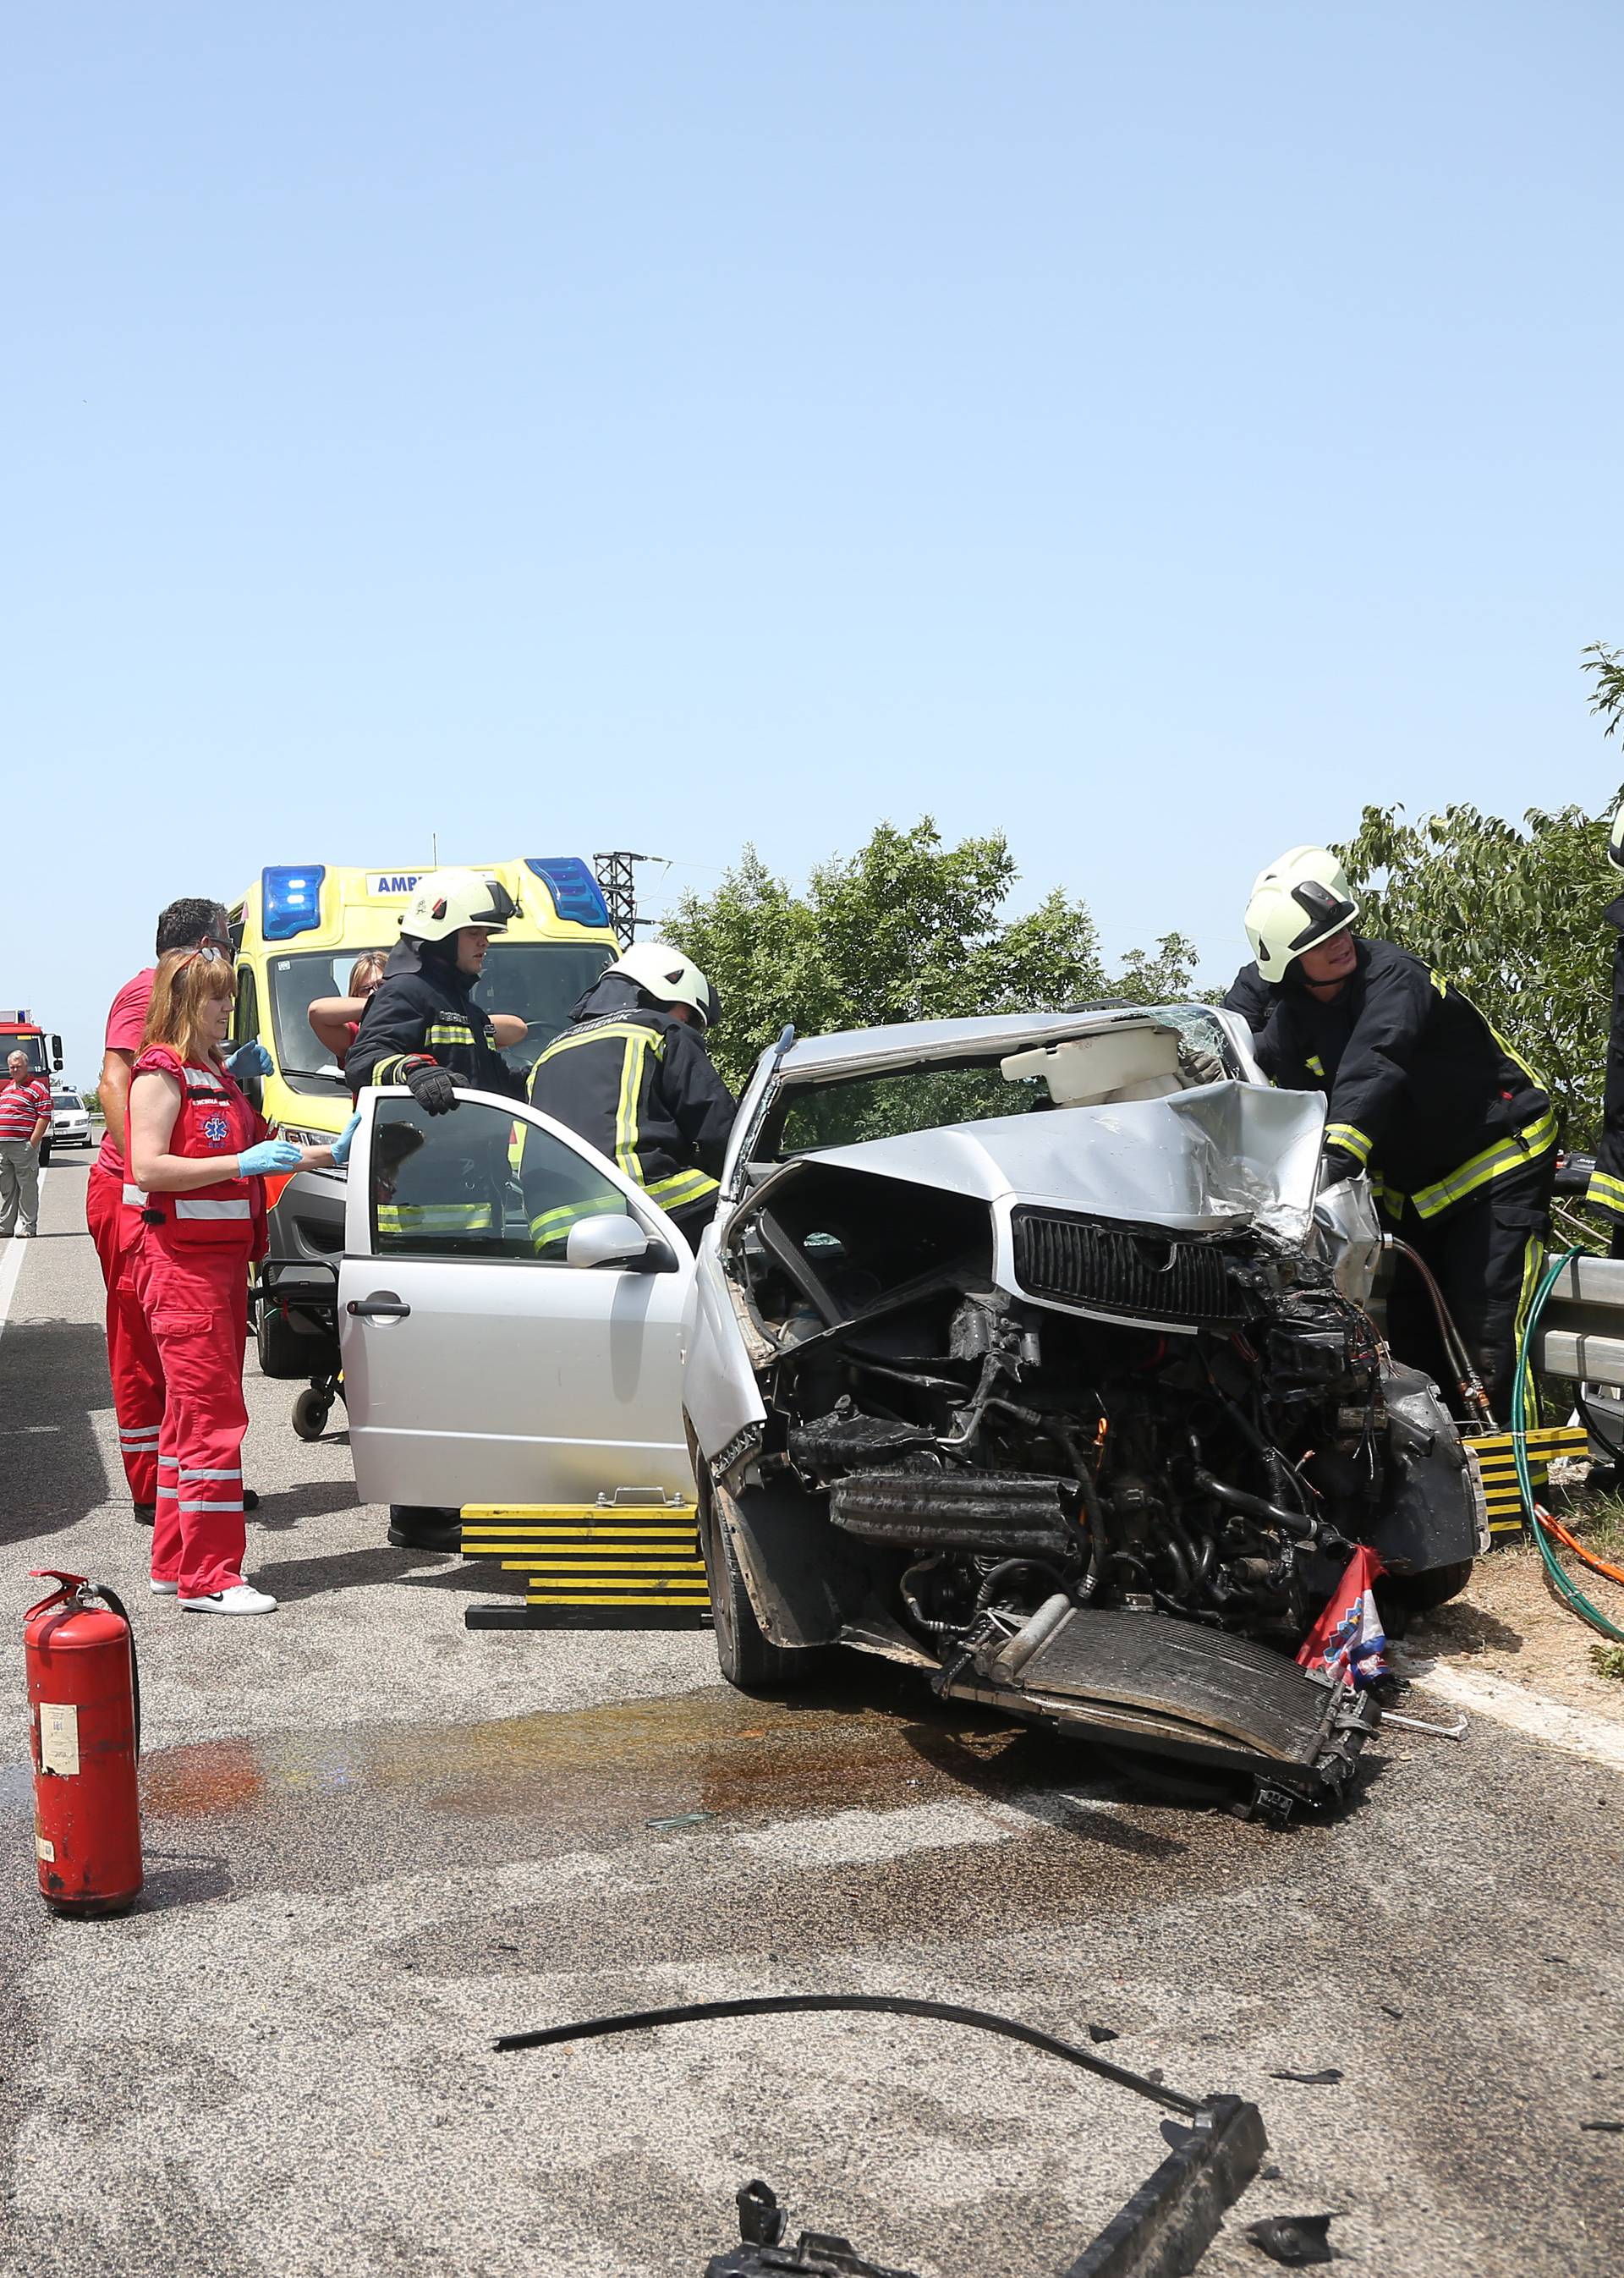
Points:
1347	1641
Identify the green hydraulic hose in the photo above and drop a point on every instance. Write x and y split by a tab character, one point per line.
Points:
1561	1581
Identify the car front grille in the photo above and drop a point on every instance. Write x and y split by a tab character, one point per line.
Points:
1154	1277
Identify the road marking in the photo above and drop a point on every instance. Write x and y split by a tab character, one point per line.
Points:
12	1266
1572	1729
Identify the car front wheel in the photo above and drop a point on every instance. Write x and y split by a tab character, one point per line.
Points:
747	1659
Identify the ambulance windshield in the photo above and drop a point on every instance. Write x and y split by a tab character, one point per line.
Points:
540	981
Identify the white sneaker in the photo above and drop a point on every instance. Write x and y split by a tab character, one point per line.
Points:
241	1598
163	1589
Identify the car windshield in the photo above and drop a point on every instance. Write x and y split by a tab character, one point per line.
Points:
540	981
890	1103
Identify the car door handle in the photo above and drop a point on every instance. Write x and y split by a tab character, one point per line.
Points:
378	1309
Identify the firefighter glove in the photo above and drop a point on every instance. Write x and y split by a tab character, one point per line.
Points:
429	1085
1199	1062
268	1155
1336	1164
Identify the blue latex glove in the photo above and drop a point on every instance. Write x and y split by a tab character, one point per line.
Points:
269	1155
251	1058
345	1140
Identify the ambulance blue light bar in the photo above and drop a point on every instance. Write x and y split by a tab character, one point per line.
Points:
577	895
291	901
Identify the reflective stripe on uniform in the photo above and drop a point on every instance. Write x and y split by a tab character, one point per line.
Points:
1605	1191
681	1188
188	1206
548	1226
186	1474
435	1217
1314	1064
135	1198
209	1506
1350	1139
445	1032
1513	1154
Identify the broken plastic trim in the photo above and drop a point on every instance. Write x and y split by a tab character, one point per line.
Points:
1162	2232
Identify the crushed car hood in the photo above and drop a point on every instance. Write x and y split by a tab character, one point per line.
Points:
1224	1156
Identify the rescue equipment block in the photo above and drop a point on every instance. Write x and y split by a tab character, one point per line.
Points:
591	1566
1494	1454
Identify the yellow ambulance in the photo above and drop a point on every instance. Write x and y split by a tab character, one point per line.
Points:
298	932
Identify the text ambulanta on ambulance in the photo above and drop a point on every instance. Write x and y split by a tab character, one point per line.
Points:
299	933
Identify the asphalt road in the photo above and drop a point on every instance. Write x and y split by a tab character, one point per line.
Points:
375	1840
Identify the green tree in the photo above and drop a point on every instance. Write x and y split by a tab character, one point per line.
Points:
1607	688
1514	915
907	929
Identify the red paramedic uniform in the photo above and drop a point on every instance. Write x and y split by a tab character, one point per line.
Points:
112	1208
191	1265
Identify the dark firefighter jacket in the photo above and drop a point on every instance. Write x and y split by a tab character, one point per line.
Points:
641	1087
1422	1092
1606	1187
424	1005
1252	997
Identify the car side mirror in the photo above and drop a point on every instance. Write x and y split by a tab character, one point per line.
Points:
616	1239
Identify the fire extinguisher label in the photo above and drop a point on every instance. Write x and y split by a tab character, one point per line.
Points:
46	1848
59	1739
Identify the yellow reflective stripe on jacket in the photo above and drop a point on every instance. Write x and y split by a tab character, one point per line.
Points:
435	1217
1350	1139
1314	1064
554	1224
681	1188
1606	1190
447	1032
1513	1154
383	1071
573	1039
627	1134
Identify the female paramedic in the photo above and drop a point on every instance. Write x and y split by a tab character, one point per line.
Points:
198	1156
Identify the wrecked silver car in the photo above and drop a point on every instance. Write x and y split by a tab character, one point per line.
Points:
1025	1352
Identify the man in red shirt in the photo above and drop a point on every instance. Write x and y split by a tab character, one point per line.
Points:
132	1356
24	1119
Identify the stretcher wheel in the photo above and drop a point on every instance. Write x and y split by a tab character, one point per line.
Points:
311	1411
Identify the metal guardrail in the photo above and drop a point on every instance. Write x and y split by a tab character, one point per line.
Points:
1582	1332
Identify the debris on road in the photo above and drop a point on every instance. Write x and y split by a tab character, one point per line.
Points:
1162	2232
1326	2079
1296	2240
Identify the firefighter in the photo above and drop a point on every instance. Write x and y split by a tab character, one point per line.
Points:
1458	1136
199	1153
631	1074
1605	1191
422	1028
1248	993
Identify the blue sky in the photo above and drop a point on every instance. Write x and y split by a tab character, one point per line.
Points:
1149	430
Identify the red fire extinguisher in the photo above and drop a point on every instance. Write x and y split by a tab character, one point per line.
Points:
84	1703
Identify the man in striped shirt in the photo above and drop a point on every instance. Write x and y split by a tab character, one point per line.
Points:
24	1119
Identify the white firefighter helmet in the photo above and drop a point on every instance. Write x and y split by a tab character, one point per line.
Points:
1615	837
1297	902
665	973
447	900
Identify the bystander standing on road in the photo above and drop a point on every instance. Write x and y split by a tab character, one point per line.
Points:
24	1119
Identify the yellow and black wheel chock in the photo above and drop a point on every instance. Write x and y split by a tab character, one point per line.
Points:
591	1566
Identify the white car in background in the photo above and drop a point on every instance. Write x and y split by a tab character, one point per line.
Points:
69	1119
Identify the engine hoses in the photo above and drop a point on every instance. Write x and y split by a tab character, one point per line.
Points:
1545	1526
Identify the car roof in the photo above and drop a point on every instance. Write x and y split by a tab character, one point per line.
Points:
907	1042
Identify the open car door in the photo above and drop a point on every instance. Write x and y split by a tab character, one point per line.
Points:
510	1313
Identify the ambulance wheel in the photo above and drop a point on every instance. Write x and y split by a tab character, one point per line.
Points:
311	1411
746	1658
